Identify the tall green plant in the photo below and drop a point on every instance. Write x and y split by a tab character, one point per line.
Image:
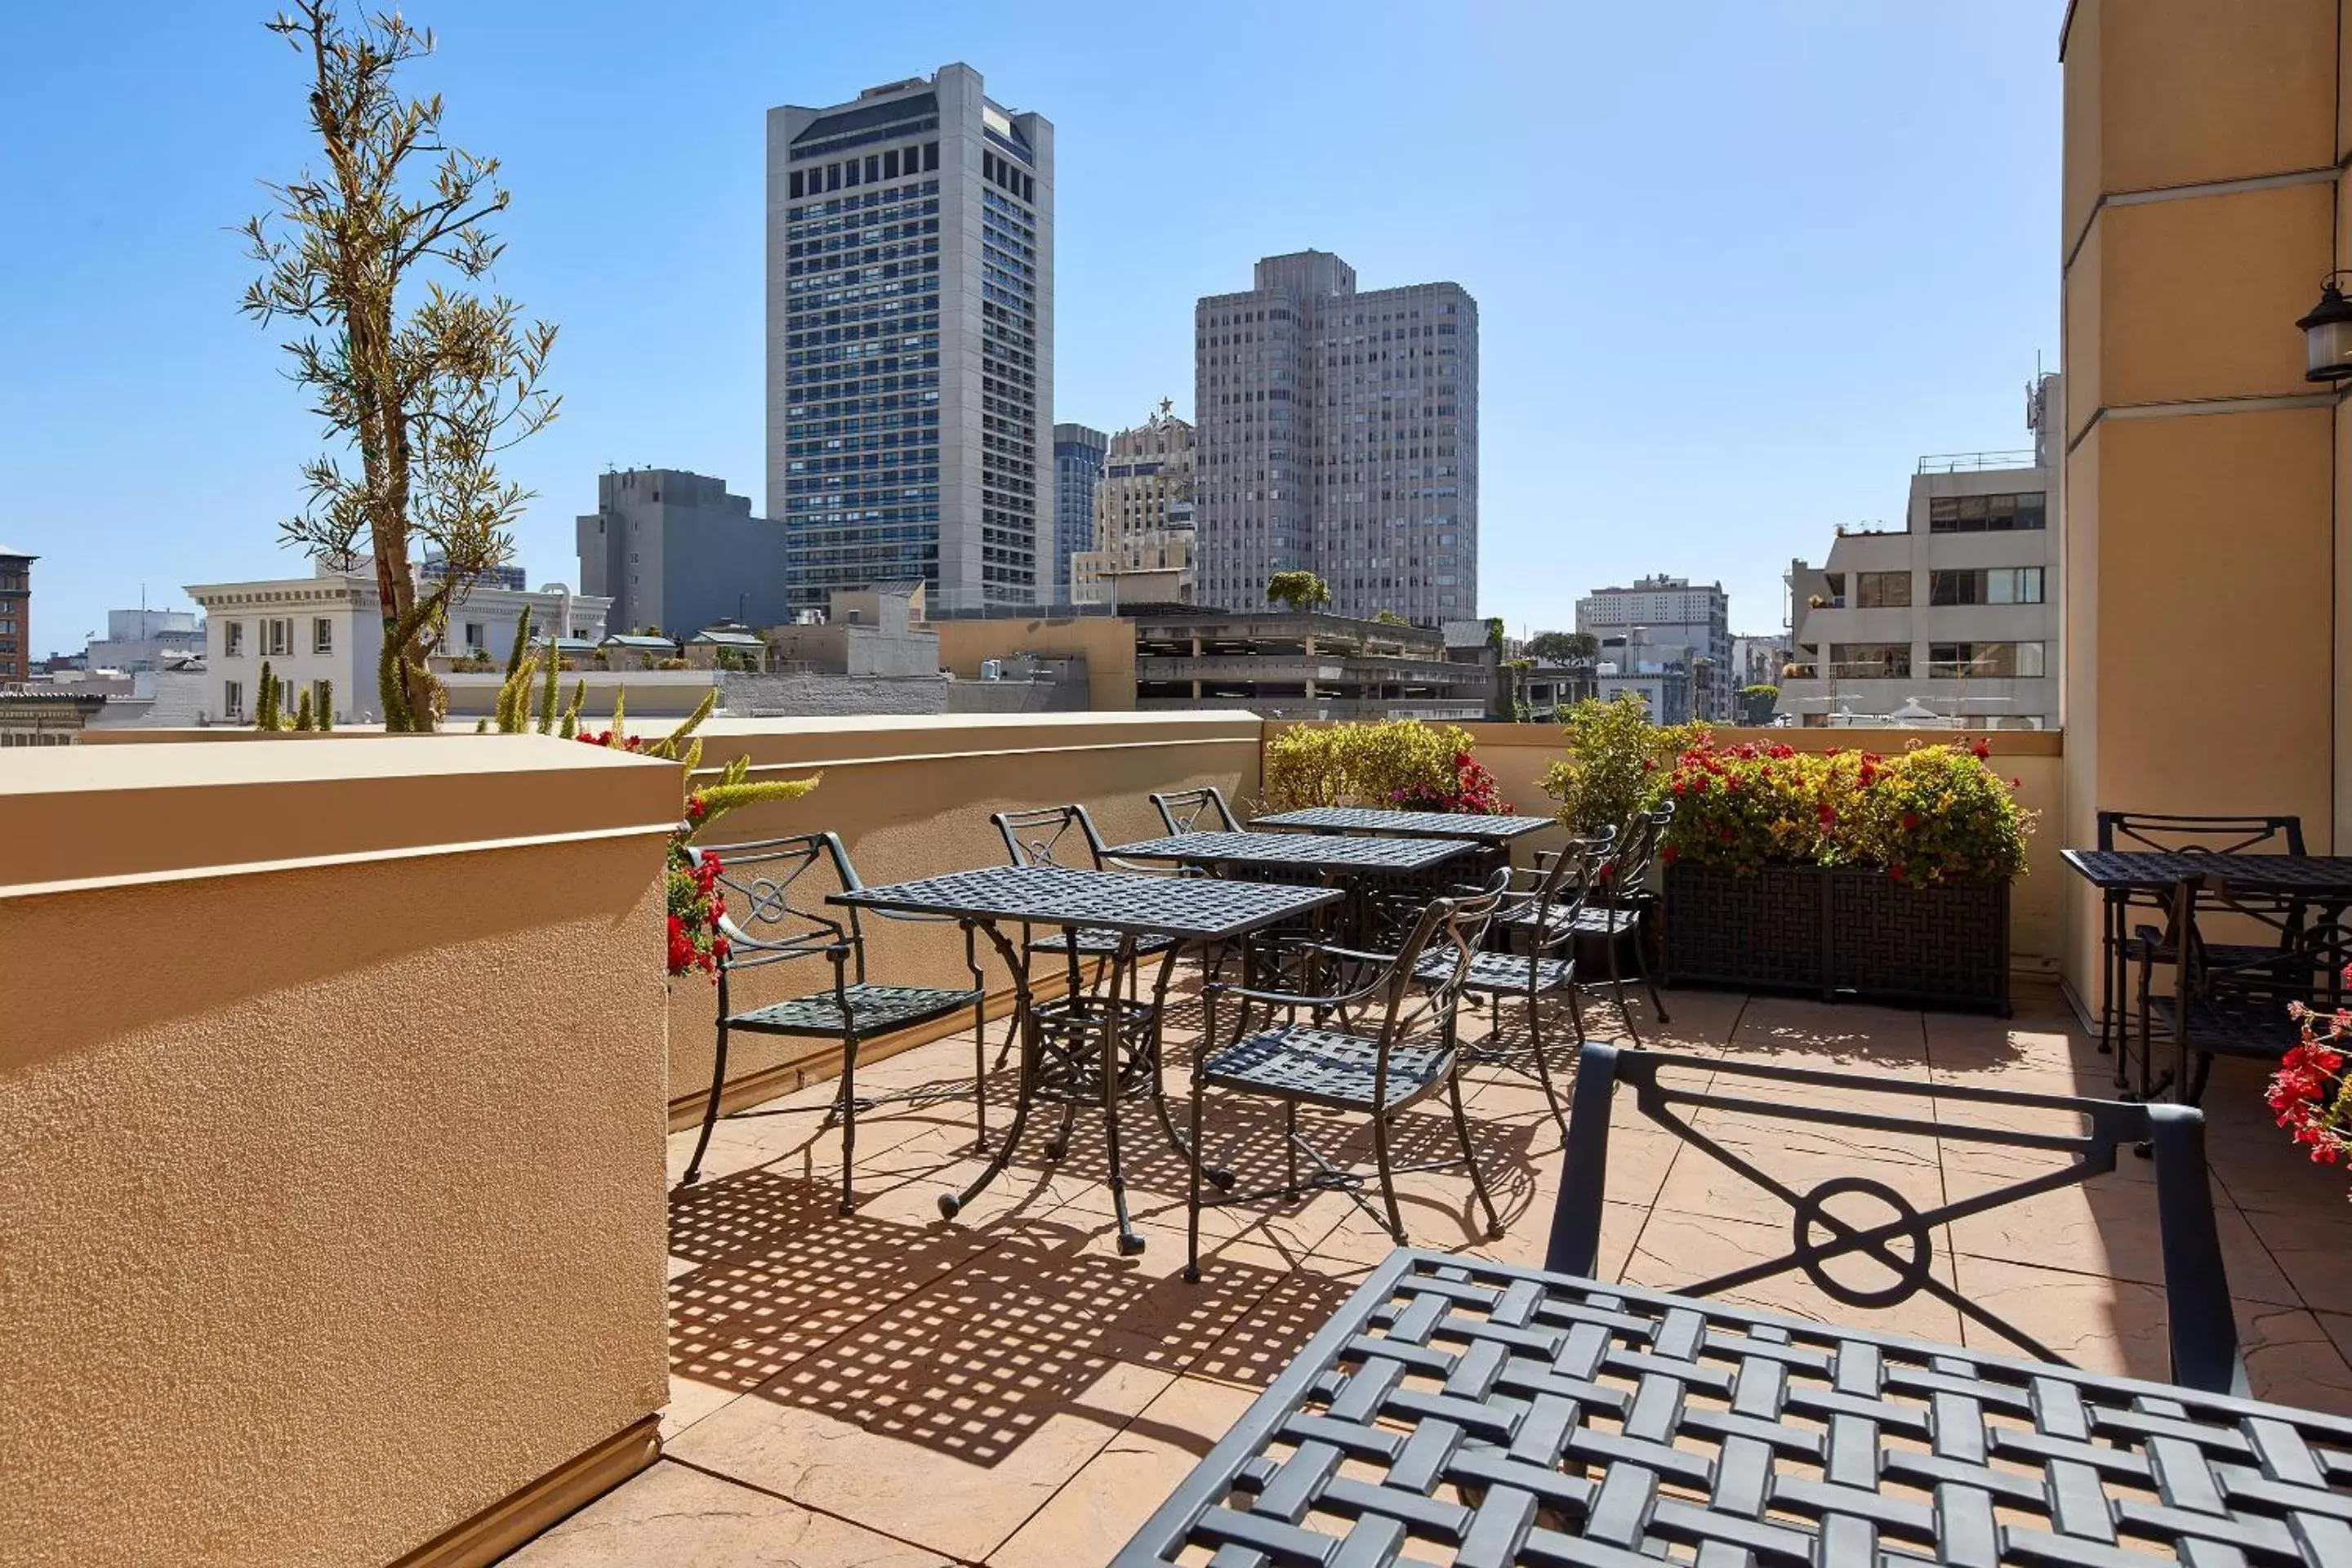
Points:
1359	765
1616	762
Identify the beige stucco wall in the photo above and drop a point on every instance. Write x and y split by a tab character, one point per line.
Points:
912	797
2206	575
332	1074
1106	642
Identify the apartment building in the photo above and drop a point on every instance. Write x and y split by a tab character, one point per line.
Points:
1955	619
1079	452
324	633
1338	434
1144	533
675	549
910	343
16	614
1667	624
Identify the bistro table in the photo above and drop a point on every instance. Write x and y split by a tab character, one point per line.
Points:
1358	864
1493	835
2324	879
1473	1413
1104	1050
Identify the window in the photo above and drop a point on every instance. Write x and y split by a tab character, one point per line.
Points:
1870	661
1985	514
277	638
233	640
232	700
1985	660
322	635
1881	590
475	641
1986	586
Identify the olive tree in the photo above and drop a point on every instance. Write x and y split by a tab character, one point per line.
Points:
421	382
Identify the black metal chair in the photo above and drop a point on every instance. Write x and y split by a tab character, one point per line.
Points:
2173	834
2202	1332
776	913
1615	915
2231	999
1200	810
1378	1067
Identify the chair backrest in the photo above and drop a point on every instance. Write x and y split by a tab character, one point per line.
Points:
1624	871
1563	888
1455	925
776	890
2296	957
2200	835
1051	835
1185	810
1871	1220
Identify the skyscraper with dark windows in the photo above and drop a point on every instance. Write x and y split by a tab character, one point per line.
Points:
910	343
1337	433
1079	452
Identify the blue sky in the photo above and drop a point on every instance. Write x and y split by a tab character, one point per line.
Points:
1737	266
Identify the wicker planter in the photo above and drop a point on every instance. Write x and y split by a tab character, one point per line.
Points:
1838	933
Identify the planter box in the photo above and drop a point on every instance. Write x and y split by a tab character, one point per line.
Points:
1838	931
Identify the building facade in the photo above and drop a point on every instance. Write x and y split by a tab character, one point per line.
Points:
1286	665
1079	452
910	343
1954	619
16	614
674	550
1144	518
324	634
1338	434
146	639
1661	621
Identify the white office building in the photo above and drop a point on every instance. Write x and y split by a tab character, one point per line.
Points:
1665	624
1954	619
910	344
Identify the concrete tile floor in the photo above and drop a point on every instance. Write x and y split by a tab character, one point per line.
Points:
891	1388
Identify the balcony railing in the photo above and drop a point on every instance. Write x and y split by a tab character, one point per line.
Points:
1974	462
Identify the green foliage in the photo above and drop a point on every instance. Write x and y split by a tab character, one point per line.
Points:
1756	702
264	700
515	655
572	710
304	721
1564	647
547	691
1298	590
1391	619
1360	764
325	705
1615	763
1936	813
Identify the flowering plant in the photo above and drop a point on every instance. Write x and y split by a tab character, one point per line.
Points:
1931	814
2310	1092
1362	764
696	903
1472	792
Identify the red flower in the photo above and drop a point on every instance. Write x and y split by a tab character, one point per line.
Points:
1982	749
1896	870
1667	854
1910	821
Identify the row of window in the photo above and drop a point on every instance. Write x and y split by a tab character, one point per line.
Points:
826	217
276	636
1986	514
851	173
233	698
1967	586
1945	661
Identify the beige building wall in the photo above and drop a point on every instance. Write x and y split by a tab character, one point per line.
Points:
1143	518
332	1073
912	797
2205	571
1106	642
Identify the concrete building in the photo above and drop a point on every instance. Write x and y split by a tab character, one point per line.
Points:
1338	434
1954	619
16	614
146	639
1143	541
436	567
328	628
1079	452
1758	659
1284	665
910	343
1639	627
674	550
869	632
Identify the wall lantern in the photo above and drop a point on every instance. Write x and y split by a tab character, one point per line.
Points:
2328	335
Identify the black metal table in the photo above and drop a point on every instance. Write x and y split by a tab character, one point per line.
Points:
2326	880
1473	1413
1378	823
1109	1055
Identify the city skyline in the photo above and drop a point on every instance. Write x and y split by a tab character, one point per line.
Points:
1868	334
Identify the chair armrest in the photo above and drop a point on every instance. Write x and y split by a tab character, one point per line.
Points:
1289	998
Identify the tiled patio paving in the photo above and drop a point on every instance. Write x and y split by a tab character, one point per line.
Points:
895	1389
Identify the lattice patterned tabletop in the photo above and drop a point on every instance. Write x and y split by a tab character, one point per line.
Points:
2155	870
1307	850
1462	1412
1187	907
1405	824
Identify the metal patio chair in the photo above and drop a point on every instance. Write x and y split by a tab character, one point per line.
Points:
1401	1050
776	913
1896	1235
1616	915
1200	810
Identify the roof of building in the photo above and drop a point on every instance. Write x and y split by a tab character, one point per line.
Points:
728	638
1465	633
19	554
573	644
631	639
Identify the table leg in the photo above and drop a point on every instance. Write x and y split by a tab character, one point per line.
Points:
950	1204
1114	1032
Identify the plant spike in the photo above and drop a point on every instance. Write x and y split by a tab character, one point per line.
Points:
325	705
571	712
614	738
302	721
548	691
521	642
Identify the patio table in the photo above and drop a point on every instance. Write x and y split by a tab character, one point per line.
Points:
1110	1056
1404	823
2324	879
1456	1410
1358	864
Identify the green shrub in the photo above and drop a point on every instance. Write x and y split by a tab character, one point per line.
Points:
1616	762
1360	764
